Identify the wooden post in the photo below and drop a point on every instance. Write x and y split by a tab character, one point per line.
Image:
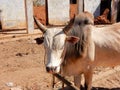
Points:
114	10
46	10
29	16
0	19
80	6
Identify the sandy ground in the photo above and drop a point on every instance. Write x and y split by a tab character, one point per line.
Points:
21	63
22	66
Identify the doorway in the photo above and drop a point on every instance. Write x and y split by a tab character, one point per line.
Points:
0	20
118	12
73	1
105	4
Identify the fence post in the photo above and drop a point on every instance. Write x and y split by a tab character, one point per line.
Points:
114	10
80	6
29	16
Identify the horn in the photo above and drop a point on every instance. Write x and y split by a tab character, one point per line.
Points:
40	25
68	27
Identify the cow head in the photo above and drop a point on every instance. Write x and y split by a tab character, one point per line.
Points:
54	44
55	39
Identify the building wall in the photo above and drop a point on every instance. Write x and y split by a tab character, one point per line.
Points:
92	6
58	12
12	14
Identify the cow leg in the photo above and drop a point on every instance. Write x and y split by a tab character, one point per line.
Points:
77	81
88	79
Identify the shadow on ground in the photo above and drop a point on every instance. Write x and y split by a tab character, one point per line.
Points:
94	88
101	88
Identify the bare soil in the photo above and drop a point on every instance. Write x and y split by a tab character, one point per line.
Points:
22	64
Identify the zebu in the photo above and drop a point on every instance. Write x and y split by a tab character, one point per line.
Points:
78	47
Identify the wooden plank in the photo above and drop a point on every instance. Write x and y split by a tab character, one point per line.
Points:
16	35
73	87
114	10
58	12
92	6
29	16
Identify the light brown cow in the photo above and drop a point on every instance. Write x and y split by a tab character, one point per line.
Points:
80	47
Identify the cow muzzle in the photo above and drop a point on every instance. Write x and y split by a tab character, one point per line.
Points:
53	70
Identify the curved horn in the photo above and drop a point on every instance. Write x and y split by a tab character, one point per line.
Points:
40	25
68	27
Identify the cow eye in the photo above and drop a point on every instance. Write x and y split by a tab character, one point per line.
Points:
86	22
57	47
79	23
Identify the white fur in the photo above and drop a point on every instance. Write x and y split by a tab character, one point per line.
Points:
104	41
54	40
103	50
108	36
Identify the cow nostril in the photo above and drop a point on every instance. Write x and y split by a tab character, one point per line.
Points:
51	69
55	68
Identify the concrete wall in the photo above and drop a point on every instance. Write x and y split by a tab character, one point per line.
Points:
58	11
92	6
12	14
29	16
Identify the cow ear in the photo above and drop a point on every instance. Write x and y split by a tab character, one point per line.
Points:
72	39
39	40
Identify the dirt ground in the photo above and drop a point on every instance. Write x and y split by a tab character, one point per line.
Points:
22	66
21	63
